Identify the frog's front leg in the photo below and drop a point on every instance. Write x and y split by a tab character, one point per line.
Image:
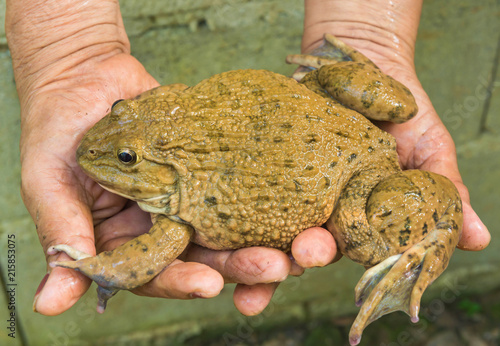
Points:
415	218
132	264
352	79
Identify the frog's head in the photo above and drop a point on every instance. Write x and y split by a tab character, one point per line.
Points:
115	154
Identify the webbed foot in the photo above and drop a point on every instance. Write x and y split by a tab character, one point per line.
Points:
331	51
398	282
338	71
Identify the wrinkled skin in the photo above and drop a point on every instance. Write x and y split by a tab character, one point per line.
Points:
252	158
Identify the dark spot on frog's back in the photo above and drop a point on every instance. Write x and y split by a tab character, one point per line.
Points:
215	134
311	138
351	157
425	229
289	163
224	216
403	240
298	186
210	201
260	125
342	134
150	272
257	92
286	126
133	274
405	231
435	216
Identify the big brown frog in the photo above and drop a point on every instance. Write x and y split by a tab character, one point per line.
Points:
252	158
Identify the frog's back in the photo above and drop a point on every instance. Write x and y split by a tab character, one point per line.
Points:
260	156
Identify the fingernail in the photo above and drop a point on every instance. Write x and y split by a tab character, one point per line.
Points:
39	290
283	278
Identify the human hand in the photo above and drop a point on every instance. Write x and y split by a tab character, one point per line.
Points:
65	85
385	32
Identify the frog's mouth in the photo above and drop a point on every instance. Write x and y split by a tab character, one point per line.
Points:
116	192
167	204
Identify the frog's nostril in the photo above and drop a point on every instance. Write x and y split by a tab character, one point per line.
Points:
92	154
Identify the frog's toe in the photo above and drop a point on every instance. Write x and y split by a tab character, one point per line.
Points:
88	265
83	262
103	295
68	250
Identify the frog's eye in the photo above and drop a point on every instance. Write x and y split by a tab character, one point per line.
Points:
116	102
127	156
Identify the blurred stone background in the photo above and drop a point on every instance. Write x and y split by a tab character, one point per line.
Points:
457	58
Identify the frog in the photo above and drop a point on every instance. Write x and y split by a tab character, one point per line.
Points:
252	158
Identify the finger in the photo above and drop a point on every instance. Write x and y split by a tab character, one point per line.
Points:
59	290
248	266
61	218
314	247
181	280
252	300
475	235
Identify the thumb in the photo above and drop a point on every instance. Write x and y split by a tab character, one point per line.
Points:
53	196
475	235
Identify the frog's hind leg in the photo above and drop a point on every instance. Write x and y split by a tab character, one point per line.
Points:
133	263
355	81
331	51
398	282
